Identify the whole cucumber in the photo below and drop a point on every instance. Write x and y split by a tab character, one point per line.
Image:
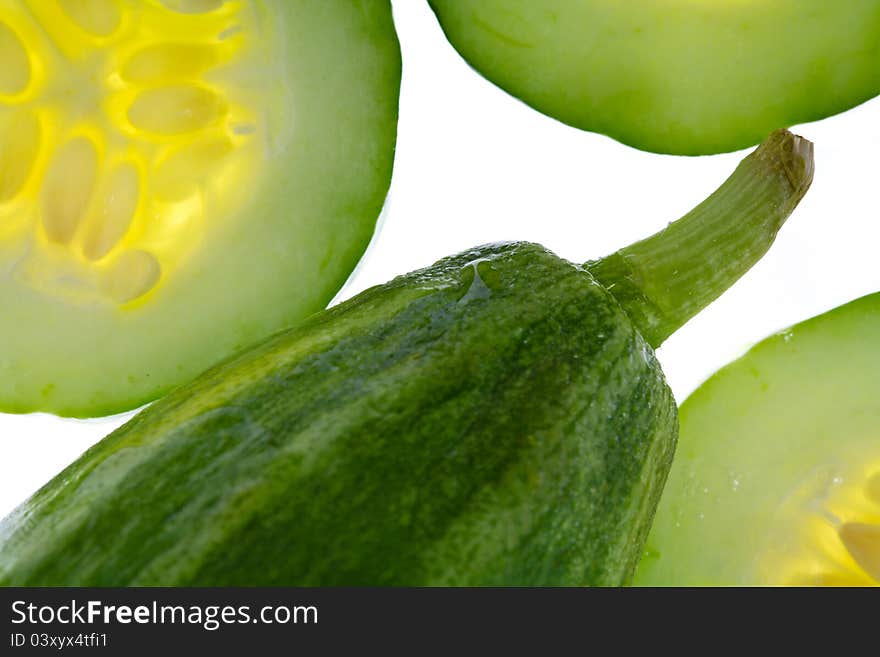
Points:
498	418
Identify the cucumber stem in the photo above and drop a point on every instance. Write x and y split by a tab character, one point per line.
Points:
668	278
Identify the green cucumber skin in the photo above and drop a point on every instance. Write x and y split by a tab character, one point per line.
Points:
494	419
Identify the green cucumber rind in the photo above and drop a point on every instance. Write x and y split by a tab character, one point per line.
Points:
452	427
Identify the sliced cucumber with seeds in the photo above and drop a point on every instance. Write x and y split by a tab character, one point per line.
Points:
178	180
776	478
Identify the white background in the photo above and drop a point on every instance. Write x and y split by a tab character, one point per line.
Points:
474	165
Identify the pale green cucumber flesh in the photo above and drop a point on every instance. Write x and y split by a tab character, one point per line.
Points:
674	76
776	478
450	427
275	253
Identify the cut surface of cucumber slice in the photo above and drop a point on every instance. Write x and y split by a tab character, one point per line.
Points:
776	477
177	180
688	77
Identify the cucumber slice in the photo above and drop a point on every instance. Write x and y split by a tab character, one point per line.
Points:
776	478
674	76
177	180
